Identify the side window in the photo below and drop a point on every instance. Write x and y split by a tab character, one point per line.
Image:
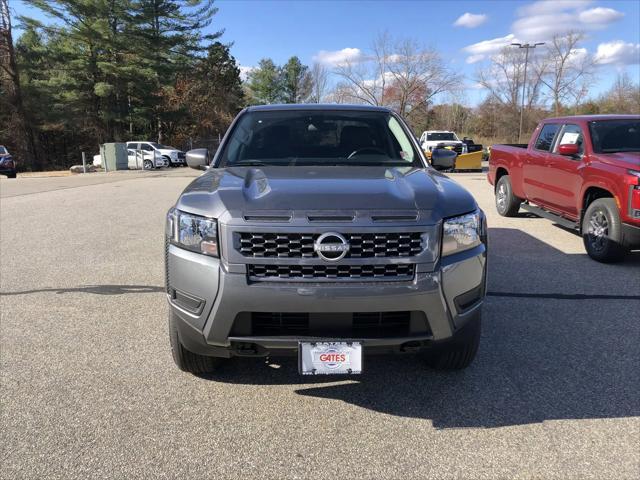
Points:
547	134
401	141
570	134
146	147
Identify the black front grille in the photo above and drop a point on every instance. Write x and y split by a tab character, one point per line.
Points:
356	325
181	155
331	272
381	324
300	245
271	323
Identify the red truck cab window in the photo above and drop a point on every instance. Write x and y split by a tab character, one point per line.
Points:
545	139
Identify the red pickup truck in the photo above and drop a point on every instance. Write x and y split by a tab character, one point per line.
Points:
582	172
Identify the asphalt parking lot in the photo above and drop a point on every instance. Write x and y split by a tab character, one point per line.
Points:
89	389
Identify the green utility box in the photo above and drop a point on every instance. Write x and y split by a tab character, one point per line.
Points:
114	156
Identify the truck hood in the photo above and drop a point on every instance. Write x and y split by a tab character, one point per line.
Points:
239	190
628	160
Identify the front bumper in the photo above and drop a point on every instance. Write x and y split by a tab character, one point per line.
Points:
206	299
631	236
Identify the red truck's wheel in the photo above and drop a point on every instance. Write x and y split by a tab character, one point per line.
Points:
602	231
507	203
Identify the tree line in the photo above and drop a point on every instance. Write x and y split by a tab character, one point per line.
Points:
117	70
113	70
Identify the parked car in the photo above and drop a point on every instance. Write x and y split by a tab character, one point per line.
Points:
432	139
7	163
321	230
172	156
146	160
582	172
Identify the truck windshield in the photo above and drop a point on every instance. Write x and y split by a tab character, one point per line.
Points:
440	136
299	137
3	150
610	136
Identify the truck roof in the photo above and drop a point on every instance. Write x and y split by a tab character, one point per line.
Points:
592	118
316	106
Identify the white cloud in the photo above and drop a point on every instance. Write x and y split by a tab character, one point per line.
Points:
475	58
600	16
618	52
544	7
338	57
470	20
479	51
540	21
244	71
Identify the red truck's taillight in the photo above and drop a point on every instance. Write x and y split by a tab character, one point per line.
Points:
633	179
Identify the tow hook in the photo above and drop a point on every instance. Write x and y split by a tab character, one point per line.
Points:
246	349
410	347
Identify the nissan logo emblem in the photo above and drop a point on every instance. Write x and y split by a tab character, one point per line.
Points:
331	246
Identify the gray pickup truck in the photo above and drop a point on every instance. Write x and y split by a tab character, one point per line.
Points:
320	231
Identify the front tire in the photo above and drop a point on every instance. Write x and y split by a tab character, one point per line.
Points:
185	360
602	231
168	161
460	351
507	204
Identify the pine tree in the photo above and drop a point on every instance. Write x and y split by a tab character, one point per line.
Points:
296	81
264	83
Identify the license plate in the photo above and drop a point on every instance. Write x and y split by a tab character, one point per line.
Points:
329	358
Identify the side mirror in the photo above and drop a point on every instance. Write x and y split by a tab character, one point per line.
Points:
443	159
198	158
569	149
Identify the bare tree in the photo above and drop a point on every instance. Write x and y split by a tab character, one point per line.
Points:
622	97
11	98
568	70
402	75
319	82
503	79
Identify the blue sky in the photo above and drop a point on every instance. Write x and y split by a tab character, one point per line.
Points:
280	29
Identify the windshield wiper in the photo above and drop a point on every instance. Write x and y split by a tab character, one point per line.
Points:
249	163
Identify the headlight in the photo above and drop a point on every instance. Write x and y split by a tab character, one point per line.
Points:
192	232
461	233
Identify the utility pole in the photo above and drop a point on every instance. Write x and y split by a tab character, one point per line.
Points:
527	47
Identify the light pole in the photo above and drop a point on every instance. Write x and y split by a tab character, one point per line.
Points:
527	47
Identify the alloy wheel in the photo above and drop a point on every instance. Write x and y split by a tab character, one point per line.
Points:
598	230
501	198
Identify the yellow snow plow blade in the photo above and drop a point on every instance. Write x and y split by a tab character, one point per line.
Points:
469	161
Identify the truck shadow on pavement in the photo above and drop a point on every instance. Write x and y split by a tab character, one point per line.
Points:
560	341
93	289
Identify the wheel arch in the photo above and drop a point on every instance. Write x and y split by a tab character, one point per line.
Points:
501	171
593	192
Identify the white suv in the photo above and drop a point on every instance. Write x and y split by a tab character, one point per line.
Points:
146	160
172	156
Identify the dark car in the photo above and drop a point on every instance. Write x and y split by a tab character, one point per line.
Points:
7	163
